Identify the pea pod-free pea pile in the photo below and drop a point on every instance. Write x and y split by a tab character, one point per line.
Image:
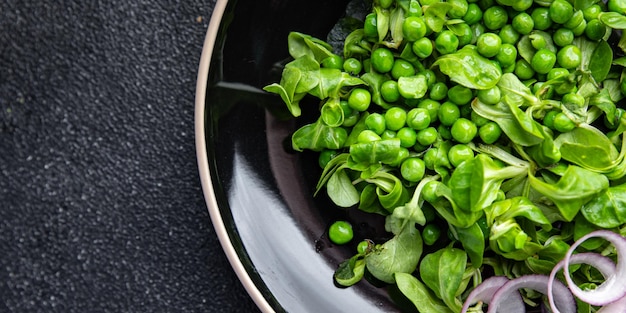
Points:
489	134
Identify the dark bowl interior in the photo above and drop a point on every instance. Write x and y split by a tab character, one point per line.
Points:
264	190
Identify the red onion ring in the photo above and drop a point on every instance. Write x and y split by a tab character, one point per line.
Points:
614	287
614	307
603	264
563	297
485	291
502	294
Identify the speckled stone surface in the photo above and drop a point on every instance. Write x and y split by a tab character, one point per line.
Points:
101	208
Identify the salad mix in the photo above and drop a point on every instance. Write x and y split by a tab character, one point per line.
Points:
489	134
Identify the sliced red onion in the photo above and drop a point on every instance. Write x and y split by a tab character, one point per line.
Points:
561	294
614	287
603	264
614	307
485	291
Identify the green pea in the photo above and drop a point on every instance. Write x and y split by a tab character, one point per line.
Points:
414	28
507	55
407	136
370	26
364	246
413	169
577	18
438	91
557	72
473	15
495	17
388	134
524	70
431	233
460	94
429	193
352	66
580	29
562	123
548	119
333	61
569	57
460	153
418	118
488	44
563	37
463	130
376	123
402	68
389	91
490	132
541	18
489	96
325	156
446	42
523	23
617	6
340	232
561	11
595	30
427	136
448	113
592	12
359	99
367	136
573	99
522	5
422	47
458	8
382	60
432	106
509	35
395	118
543	61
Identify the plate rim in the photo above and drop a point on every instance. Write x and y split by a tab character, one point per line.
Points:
203	161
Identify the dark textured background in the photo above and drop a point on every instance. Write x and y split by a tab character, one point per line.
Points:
101	208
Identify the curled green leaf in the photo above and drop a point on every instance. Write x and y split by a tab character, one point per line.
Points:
400	254
575	188
468	68
419	294
318	136
300	44
613	19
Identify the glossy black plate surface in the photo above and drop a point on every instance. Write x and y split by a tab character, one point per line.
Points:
259	192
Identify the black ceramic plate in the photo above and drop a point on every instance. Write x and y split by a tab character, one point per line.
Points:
258	192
